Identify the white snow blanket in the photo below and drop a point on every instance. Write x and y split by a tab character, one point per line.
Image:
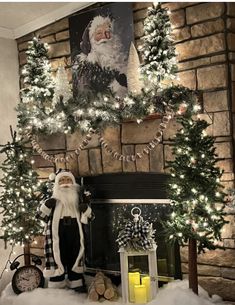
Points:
175	293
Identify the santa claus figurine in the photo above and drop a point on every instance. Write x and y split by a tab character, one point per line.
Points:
102	61
64	240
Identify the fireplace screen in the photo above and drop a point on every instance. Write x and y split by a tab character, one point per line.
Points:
110	214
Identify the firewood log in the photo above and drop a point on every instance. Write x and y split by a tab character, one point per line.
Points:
109	288
99	283
92	294
115	297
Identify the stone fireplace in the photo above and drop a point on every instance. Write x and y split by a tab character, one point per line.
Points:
205	42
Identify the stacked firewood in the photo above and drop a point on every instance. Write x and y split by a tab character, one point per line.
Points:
102	288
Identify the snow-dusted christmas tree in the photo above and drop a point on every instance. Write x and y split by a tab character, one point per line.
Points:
38	88
196	193
18	199
158	51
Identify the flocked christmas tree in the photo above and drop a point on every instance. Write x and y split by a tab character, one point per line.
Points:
19	198
158	51
62	87
39	87
196	193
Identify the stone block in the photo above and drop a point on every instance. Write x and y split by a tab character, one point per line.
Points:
232	72
139	15
224	150
48	39
72	165
76	138
128	166
156	159
213	77
223	258
204	11
194	63
177	18
207	28
139	29
231	24
141	5
227	184
231	42
22	58
168	155
95	161
110	165
172	127
83	163
52	142
112	136
62	35
38	242
227	177
55	27
201	46
39	161
218	58
23	46
231	56
142	165
43	173
229	243
59	49
133	133
221	124
181	34
215	101
228	230
225	165
187	79
228	273
219	286
230	9
172	6
203	269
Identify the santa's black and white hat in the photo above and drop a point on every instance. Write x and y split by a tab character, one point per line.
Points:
61	173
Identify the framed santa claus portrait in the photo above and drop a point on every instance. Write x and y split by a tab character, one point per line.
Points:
100	39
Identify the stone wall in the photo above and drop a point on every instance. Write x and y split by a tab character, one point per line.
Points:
205	44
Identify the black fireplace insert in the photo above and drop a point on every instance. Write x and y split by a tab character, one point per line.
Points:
114	195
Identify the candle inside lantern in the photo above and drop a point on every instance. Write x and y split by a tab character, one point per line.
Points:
140	294
134	279
145	280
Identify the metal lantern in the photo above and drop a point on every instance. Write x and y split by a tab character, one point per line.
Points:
138	270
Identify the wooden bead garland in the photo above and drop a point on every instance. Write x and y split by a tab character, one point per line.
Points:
66	159
146	150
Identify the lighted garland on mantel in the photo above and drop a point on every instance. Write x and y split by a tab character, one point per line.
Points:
45	110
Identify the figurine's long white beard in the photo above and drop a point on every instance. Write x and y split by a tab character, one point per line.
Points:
68	197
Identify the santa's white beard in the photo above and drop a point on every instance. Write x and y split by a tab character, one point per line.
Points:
108	53
67	196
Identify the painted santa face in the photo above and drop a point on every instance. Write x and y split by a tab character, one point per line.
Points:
103	32
65	181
